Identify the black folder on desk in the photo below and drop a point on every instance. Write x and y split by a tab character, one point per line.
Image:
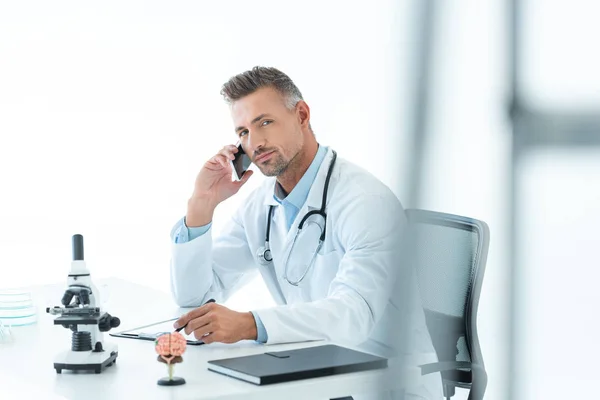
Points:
284	366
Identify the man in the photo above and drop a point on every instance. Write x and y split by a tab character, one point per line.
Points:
351	289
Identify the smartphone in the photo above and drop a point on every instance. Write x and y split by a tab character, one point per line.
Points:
240	164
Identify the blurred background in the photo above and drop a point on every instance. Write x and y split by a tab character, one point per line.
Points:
488	109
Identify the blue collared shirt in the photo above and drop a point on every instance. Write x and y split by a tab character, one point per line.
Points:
292	203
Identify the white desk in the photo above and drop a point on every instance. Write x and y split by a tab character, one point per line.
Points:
29	358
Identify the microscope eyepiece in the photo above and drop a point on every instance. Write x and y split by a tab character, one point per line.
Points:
77	247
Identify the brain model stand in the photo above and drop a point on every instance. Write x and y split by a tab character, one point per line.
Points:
170	347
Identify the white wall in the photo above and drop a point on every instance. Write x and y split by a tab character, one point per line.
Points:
107	112
560	60
558	328
559	191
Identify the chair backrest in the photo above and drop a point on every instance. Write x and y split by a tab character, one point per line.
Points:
450	254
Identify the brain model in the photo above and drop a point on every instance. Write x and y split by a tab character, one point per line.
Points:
170	347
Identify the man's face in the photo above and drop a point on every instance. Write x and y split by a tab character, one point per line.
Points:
270	133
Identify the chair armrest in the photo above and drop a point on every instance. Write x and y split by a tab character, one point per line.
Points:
479	381
449	366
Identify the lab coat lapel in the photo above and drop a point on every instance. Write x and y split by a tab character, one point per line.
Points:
313	202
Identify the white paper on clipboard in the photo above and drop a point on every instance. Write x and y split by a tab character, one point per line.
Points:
154	330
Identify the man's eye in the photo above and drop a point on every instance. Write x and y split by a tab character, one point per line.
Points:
265	123
242	133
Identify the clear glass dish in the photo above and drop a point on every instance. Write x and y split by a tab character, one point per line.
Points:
16	308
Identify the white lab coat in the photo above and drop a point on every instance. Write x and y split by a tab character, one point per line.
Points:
359	291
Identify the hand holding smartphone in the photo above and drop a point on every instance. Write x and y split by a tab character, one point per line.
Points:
240	164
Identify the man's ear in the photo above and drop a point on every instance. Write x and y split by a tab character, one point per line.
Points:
303	113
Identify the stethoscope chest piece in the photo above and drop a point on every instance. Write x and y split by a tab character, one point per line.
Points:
264	255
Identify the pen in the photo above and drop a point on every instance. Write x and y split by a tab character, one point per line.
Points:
182	327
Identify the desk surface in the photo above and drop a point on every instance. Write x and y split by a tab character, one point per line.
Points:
32	352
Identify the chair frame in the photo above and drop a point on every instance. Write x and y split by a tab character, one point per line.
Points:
476	373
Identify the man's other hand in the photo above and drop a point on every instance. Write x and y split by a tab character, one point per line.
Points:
216	323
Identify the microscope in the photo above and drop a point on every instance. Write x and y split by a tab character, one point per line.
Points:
80	312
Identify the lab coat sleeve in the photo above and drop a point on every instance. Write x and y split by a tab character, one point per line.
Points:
371	229
203	267
181	233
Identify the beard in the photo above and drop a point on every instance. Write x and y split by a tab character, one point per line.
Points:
275	166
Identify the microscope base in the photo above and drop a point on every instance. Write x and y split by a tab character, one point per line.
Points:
86	360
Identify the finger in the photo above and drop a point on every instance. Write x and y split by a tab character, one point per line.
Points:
227	153
221	160
196	313
225	161
210	338
245	177
201	332
215	163
214	160
198	323
181	321
229	148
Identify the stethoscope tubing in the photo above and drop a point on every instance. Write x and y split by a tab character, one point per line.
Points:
264	253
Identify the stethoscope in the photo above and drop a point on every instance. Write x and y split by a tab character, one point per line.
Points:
264	253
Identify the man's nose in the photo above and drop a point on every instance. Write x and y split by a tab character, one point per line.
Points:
256	141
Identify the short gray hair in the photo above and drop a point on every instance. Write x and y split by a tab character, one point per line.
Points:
248	82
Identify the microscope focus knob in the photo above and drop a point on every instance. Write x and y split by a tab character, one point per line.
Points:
107	322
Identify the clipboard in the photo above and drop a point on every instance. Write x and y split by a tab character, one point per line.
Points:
152	331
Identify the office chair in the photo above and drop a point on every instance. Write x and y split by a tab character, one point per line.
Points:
450	253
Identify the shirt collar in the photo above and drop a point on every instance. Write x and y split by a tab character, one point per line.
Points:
299	194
